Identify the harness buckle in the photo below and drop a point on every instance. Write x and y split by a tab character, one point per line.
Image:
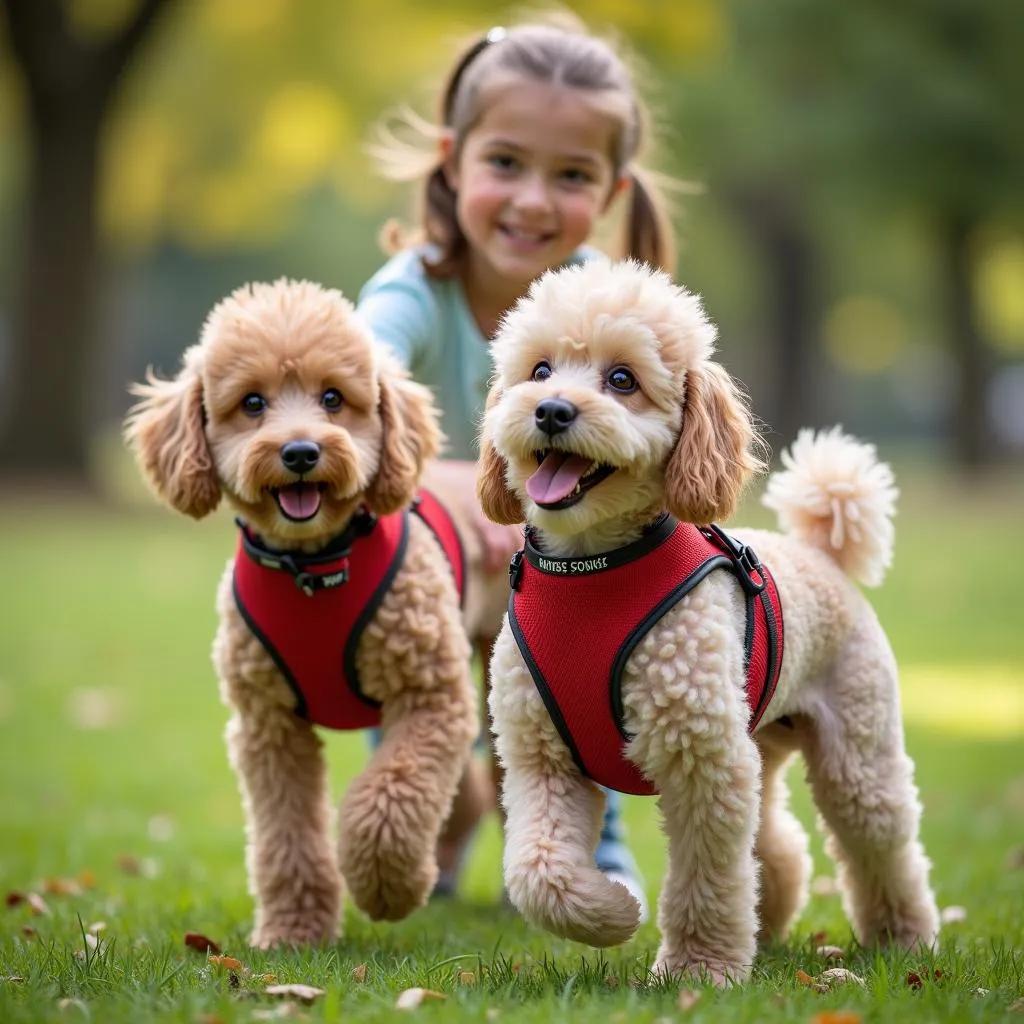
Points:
744	558
515	570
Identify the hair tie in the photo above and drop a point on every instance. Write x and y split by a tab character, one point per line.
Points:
491	36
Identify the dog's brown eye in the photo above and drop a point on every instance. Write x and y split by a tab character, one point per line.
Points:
253	404
622	380
541	371
331	400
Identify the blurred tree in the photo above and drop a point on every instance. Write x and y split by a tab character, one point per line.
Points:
892	106
71	65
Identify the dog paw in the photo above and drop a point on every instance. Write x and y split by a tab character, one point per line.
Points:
293	929
387	887
581	904
677	968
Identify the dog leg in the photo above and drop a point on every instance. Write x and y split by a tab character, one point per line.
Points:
292	873
553	818
781	849
862	780
392	814
707	907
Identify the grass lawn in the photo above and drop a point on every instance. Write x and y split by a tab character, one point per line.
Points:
113	773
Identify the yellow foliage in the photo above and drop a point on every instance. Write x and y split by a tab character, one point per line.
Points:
1000	284
302	129
96	21
233	19
865	334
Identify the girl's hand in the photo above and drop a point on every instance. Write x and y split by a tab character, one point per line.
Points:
457	479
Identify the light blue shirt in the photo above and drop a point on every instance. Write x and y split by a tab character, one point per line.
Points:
427	324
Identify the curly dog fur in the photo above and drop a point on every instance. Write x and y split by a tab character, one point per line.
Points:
682	440
290	344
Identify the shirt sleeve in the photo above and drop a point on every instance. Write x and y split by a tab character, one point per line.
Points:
401	315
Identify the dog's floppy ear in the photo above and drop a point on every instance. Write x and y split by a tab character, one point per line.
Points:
713	457
498	502
165	431
411	437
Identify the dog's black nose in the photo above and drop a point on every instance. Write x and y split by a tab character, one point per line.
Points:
554	415
300	456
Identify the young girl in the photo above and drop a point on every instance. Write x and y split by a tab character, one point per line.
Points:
539	131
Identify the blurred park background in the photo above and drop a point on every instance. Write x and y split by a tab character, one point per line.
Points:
858	234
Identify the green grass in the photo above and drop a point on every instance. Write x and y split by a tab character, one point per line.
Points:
111	758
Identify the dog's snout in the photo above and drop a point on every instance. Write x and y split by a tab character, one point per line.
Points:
553	415
300	456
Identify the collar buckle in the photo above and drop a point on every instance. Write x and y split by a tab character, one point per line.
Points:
515	569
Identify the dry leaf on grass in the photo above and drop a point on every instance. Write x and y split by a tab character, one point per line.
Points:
953	915
62	887
1017	1007
824	885
839	976
91	941
469	978
836	1017
129	865
914	980
96	927
66	1005
804	978
13	979
200	943
14	899
414	997
285	1011
37	903
359	973
226	963
688	999
86	879
304	993
28	931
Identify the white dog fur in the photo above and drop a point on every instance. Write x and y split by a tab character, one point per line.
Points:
684	441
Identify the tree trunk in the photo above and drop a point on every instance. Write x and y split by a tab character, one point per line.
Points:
786	252
972	444
46	432
45	429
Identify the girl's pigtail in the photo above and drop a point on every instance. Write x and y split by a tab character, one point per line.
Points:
649	233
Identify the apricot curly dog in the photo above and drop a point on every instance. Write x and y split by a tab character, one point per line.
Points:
317	439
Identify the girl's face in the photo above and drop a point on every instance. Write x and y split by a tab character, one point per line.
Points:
533	176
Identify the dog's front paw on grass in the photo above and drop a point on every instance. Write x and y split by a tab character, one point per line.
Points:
576	903
675	968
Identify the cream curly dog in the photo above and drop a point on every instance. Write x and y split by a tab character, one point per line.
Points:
287	409
605	413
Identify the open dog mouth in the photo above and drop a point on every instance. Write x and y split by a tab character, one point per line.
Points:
298	502
562	478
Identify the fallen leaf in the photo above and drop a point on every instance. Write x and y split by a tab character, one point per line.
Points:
953	915
28	931
359	973
824	885
414	997
831	952
914	980
688	999
839	976
80	954
1017	1007
91	941
97	926
493	1013
804	978
129	865
836	1017
64	1005
13	899
200	943
268	978
86	879
13	979
62	887
469	978
227	963
818	938
284	1011
304	993
938	974
37	903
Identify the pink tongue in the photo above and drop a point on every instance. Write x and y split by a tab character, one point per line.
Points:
556	477
299	501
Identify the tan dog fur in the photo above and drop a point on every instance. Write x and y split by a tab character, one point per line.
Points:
290	342
684	441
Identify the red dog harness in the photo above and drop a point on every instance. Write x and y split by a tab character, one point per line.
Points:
309	611
577	620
